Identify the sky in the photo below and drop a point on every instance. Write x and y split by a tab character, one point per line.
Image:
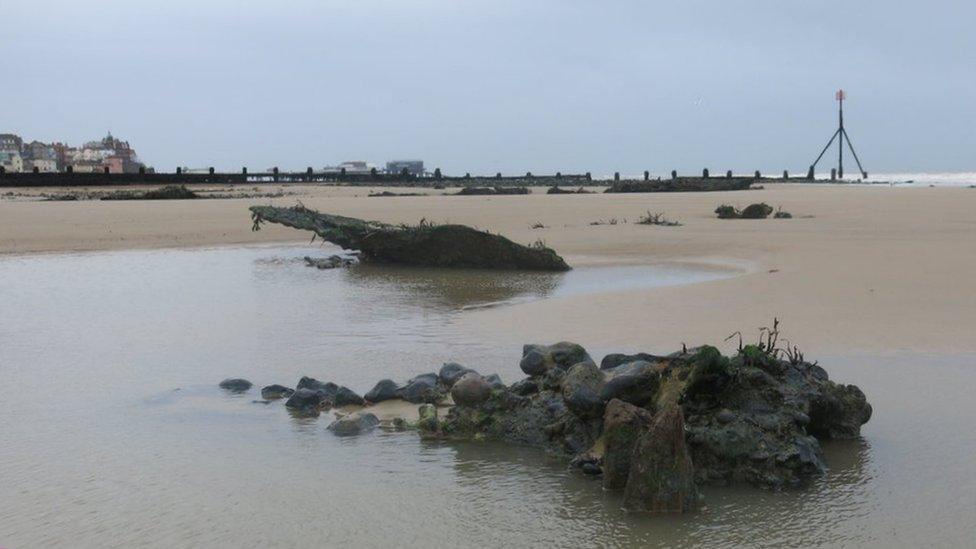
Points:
502	85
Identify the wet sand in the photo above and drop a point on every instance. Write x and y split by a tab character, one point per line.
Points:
874	269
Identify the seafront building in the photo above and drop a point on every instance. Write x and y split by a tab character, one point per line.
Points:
413	167
108	153
11	162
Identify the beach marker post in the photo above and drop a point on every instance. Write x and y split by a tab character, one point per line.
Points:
840	134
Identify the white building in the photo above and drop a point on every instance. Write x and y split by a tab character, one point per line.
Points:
44	165
12	162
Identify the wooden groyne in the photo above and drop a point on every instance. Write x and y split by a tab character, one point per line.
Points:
675	183
70	179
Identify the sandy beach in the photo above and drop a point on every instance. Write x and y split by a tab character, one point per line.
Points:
858	268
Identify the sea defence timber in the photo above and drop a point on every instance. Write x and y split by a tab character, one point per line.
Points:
74	179
682	184
675	183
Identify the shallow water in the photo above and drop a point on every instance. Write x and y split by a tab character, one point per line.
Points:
114	433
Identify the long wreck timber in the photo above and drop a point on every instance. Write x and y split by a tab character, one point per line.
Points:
425	244
682	184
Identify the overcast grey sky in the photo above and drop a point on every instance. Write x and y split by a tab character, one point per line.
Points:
511	86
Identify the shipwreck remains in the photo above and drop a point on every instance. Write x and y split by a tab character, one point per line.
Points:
425	244
491	191
682	184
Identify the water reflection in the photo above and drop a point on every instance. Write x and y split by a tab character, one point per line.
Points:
849	460
451	288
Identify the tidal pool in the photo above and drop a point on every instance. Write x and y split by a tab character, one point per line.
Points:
114	433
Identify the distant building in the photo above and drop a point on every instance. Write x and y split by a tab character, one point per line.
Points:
40	151
413	167
11	162
11	143
108	152
43	165
87	166
115	164
351	167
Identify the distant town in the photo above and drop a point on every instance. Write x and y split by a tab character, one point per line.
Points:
105	155
113	155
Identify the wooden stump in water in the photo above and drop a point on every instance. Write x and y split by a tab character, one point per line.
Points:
662	476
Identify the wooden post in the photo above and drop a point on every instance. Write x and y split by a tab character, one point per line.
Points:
647	175
786	175
833	174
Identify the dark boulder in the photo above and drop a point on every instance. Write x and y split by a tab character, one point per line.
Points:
354	424
623	424
525	387
634	382
272	392
306	401
591	469
421	389
429	378
385	389
345	396
616	359
566	354
837	412
451	372
539	359
661	478
581	389
533	361
495	381
471	390
327	389
235	385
